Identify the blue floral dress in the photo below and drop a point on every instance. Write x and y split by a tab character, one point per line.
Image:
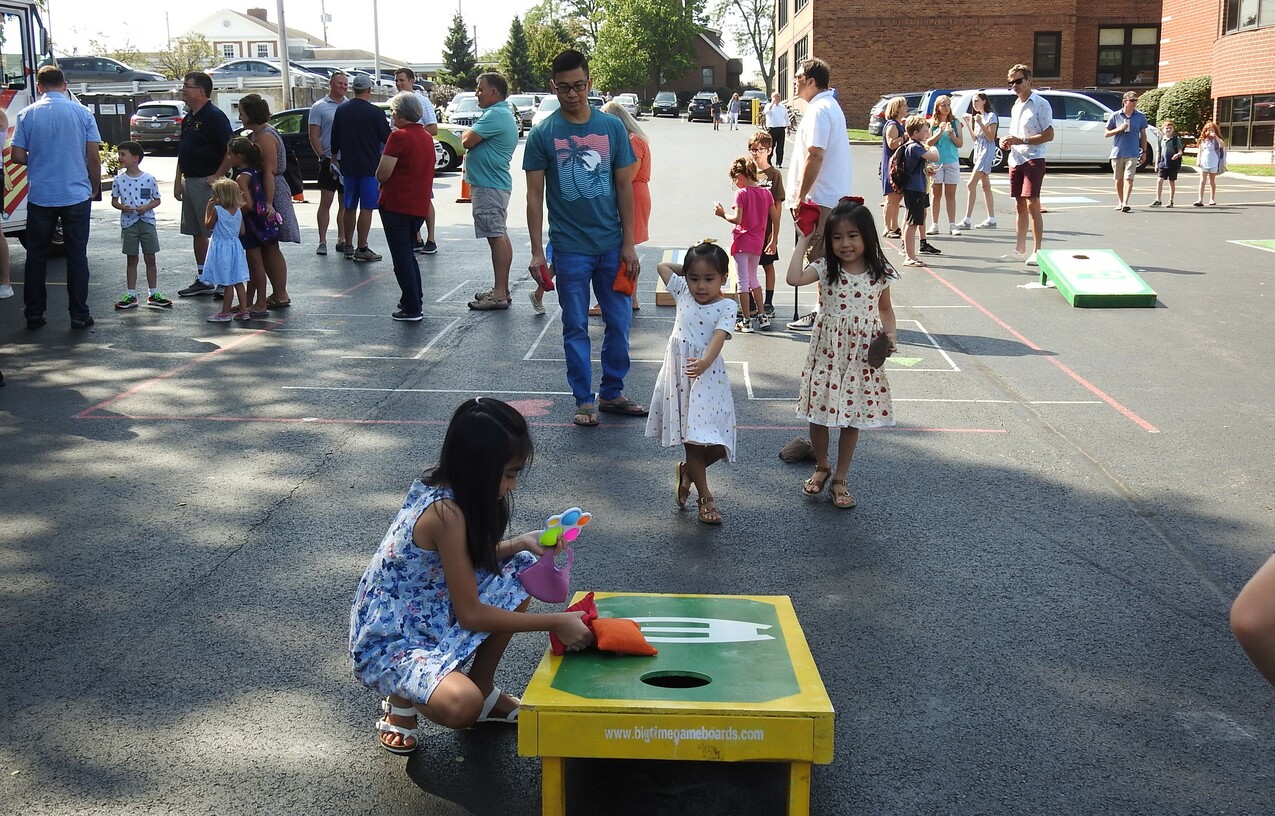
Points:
404	636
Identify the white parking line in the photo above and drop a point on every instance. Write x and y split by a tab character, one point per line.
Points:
455	289
418	355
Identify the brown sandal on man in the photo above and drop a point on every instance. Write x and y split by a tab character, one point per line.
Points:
814	485
842	499
586	415
708	511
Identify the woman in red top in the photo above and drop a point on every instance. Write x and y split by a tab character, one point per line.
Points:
406	174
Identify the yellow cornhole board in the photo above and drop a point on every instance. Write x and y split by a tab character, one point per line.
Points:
662	296
734	681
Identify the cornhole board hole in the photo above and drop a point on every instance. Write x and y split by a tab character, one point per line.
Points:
1094	279
662	296
734	681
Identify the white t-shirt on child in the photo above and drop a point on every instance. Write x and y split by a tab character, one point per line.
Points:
135	191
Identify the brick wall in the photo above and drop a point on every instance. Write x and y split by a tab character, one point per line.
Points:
893	45
1187	32
1244	63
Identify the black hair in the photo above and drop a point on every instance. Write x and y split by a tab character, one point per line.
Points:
818	70
483	438
709	253
50	76
873	256
201	80
244	147
131	147
254	110
497	81
569	60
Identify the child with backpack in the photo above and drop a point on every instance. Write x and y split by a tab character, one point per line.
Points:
907	174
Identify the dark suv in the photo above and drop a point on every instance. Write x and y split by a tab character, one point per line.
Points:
665	104
700	106
156	124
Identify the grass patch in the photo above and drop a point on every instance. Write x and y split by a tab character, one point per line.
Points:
857	135
1242	169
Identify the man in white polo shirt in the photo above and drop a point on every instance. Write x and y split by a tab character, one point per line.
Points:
820	168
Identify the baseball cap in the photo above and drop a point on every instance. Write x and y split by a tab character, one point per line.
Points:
362	82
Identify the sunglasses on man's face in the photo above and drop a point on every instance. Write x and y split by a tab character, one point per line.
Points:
1014	83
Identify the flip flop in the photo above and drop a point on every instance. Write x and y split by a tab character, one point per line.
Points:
274	303
485	716
586	415
623	405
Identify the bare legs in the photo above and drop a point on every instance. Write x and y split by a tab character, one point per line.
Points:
359	222
977	179
276	267
1211	180
1028	213
256	281
847	440
130	271
944	194
502	256
1253	620
323	216
698	460
892	202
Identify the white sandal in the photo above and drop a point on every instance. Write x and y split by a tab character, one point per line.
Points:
485	716
383	726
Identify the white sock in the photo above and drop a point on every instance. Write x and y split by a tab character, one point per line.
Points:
132	292
153	291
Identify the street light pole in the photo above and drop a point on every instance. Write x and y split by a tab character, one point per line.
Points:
376	45
286	102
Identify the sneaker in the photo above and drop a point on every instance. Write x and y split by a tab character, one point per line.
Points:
158	301
536	303
219	292
488	303
418	247
763	322
930	249
349	252
482	293
196	288
1031	260
82	324
342	248
126	302
1169	205
407	318
953	229
804	324
322	250
743	327
364	255
430	248
769	310
243	316
221	317
894	233
933	230
1014	255
6	291
1156	203
964	225
986	223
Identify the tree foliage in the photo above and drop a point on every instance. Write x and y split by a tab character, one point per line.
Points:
751	23
126	53
1149	104
515	59
591	14
192	52
460	62
549	33
1188	103
647	42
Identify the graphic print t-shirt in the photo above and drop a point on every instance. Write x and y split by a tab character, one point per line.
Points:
135	191
578	162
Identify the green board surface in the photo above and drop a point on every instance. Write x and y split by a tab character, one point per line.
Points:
1094	278
735	643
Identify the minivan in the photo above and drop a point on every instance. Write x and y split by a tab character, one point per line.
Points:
1080	126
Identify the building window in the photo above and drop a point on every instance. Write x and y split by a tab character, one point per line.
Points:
800	51
783	13
1247	122
1128	55
1242	14
798	5
781	79
1047	55
228	50
708	77
263	50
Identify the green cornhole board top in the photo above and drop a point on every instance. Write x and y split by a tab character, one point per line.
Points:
1094	278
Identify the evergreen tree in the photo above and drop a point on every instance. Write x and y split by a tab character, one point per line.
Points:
460	62
516	59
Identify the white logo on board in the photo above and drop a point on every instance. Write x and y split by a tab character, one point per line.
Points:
701	630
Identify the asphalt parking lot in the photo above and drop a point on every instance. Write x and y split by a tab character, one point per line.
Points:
1025	614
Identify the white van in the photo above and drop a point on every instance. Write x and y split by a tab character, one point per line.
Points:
1080	125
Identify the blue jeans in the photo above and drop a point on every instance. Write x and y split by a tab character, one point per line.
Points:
400	230
41	224
573	274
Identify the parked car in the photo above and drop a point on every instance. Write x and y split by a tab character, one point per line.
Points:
596	101
385	85
700	106
876	116
665	104
456	100
926	105
155	124
1080	125
103	69
548	107
468	112
325	71
526	105
629	101
259	68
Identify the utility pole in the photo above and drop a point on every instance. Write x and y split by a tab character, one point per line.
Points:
376	45
283	59
323	15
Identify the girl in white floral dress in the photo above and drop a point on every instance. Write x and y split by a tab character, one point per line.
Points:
442	589
839	389
692	404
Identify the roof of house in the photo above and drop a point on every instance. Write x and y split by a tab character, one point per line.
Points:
293	33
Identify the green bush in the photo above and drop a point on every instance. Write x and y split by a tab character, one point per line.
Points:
1189	104
110	159
1149	104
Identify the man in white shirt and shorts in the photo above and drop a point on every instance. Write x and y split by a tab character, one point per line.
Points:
1031	128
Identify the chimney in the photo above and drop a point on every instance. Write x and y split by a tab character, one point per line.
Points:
259	13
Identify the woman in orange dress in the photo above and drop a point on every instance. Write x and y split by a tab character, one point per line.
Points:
641	178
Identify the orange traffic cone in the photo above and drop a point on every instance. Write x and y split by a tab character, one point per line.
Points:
464	189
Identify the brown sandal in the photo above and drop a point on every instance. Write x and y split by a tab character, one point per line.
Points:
814	485
683	492
708	513
844	499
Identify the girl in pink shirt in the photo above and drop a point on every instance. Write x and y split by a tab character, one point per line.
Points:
749	215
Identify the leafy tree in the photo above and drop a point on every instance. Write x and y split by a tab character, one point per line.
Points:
591	15
460	63
1149	104
189	53
127	53
545	40
752	24
617	62
515	59
1189	103
659	33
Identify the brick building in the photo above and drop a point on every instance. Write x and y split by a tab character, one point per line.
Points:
891	46
1232	41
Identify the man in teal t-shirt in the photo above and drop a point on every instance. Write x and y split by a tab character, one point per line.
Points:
576	162
489	147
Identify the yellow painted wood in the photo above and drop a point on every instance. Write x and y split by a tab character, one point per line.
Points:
799	789
738	738
663	298
553	786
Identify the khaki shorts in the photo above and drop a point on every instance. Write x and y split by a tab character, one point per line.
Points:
196	192
1125	167
491	211
140	233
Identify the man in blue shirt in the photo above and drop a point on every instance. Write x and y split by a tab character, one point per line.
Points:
577	163
57	140
359	131
489	150
1127	128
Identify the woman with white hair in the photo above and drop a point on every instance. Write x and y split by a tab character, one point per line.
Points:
640	178
405	172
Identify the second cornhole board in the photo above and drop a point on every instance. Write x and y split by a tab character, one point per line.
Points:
662	296
1094	278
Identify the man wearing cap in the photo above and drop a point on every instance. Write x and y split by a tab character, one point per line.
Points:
359	131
